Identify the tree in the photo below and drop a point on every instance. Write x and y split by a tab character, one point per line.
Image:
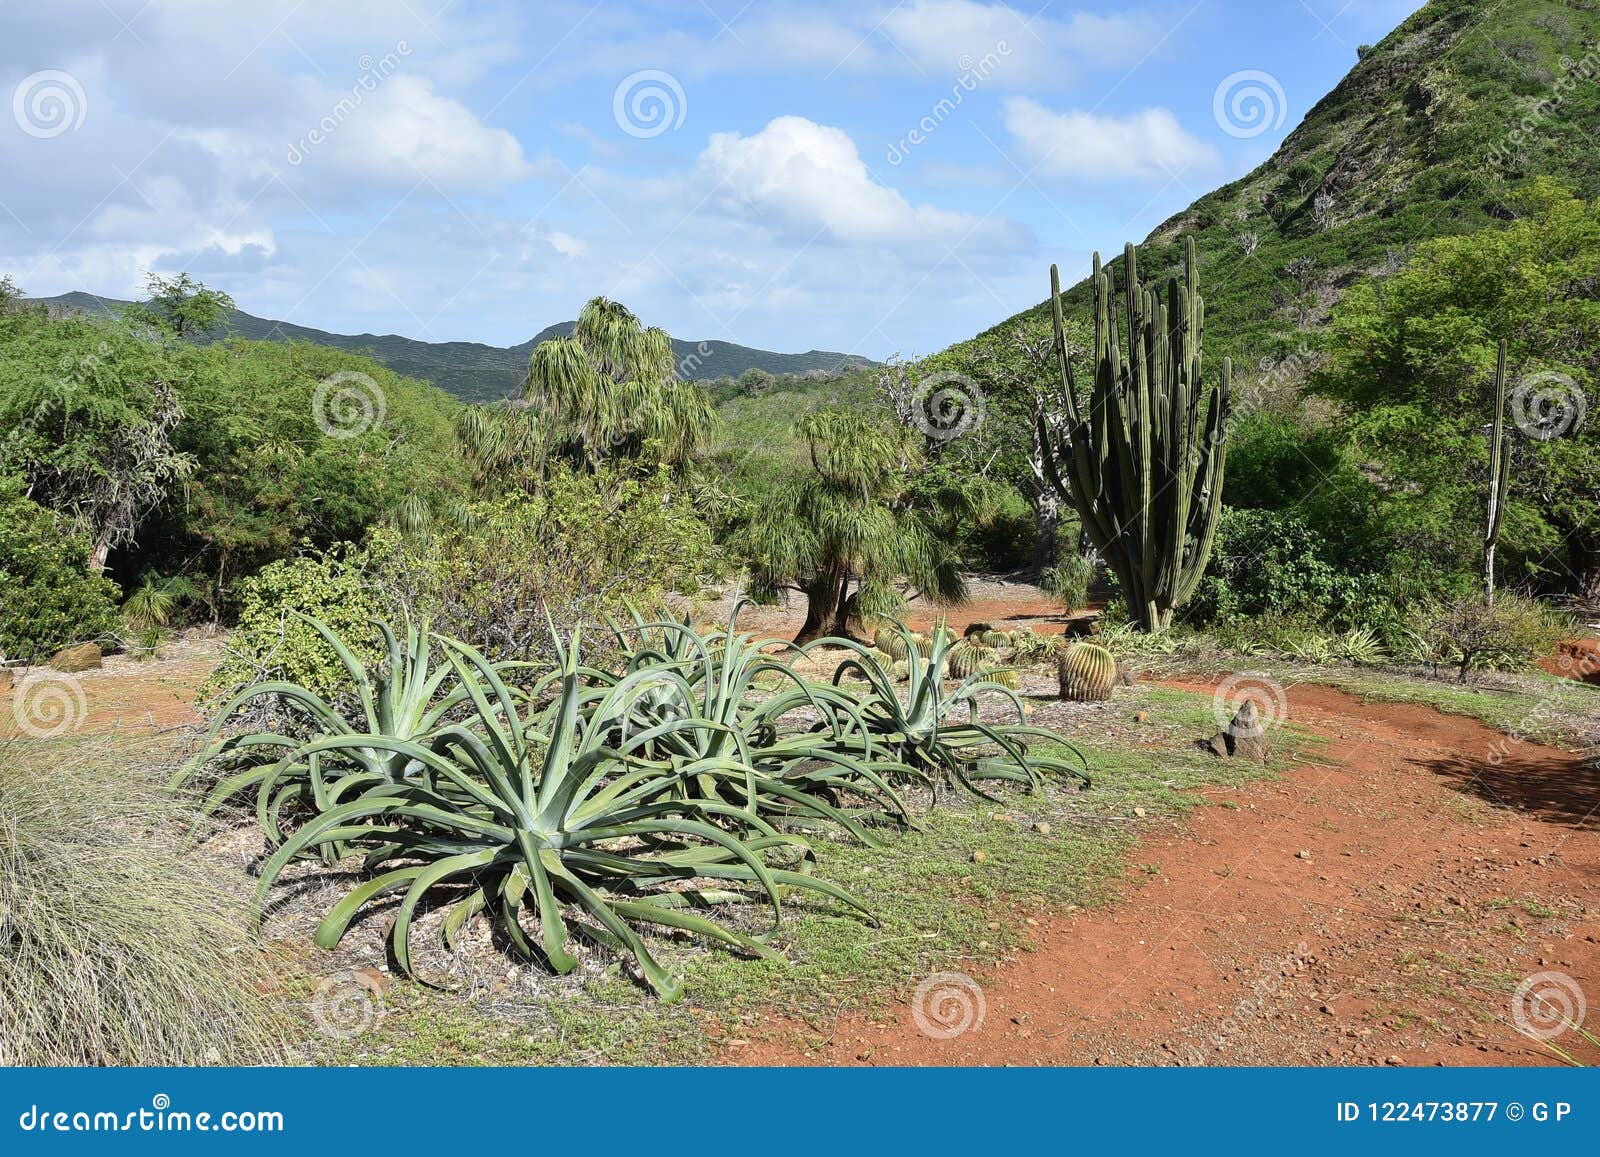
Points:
182	305
850	519
1412	359
611	390
91	411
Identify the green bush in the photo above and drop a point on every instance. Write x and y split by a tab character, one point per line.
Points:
1465	634
1068	581
272	641
575	551
48	597
1266	562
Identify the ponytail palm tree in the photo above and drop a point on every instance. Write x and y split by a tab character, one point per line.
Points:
611	389
847	533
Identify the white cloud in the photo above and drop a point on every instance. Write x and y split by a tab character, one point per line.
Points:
942	36
1084	146
812	177
403	131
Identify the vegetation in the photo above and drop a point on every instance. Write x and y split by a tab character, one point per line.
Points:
642	797
1143	460
470	372
120	946
52	598
852	518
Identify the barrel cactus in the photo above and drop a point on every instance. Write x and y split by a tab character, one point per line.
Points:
1088	672
900	672
996	639
1007	677
968	657
890	642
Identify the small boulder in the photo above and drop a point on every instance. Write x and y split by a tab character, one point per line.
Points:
83	657
1244	738
1082	628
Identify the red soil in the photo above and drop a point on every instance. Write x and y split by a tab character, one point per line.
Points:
1576	659
1379	908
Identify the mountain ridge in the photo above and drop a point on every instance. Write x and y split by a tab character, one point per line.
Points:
1427	135
474	371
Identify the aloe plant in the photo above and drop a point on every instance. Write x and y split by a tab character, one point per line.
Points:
540	811
923	732
405	700
803	772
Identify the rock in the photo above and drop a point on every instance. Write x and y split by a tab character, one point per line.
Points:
5	678
1126	675
1042	828
83	657
1139	811
1302	854
1082	628
979	857
1244	738
1141	716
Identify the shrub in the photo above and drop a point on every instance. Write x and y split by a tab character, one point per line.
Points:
117	948
571	553
48	596
1466	634
1068	581
1269	562
272	642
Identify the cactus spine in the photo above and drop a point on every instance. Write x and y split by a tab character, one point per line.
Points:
1087	672
1143	464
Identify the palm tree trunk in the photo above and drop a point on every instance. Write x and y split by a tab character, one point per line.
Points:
826	612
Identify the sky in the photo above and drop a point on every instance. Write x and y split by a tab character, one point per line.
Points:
864	176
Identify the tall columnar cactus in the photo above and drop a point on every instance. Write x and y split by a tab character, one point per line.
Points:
1499	475
1142	462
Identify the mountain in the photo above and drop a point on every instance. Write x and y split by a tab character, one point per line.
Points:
1434	132
484	373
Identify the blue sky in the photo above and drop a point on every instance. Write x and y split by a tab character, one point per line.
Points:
871	177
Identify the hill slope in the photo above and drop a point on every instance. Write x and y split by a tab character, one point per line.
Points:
483	373
1433	133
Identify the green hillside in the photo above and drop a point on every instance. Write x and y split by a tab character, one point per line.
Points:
481	373
1433	133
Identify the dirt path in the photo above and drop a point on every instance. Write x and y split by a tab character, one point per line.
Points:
1378	910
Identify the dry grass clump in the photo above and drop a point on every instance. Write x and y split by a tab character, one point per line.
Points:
118	946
